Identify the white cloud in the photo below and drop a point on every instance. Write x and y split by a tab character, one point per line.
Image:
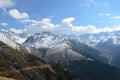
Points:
66	27
3	24
70	28
104	14
43	25
110	29
29	21
90	29
17	15
46	24
68	20
115	17
6	3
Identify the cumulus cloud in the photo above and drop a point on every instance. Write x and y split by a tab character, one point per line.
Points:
46	24
4	24
18	15
43	25
34	25
90	29
6	3
66	27
110	29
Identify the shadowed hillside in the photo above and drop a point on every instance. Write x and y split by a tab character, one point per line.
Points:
24	66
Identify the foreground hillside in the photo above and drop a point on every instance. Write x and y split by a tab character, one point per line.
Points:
25	66
3	78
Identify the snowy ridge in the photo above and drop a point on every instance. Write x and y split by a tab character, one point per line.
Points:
95	39
54	48
40	40
13	40
63	50
5	39
15	37
113	39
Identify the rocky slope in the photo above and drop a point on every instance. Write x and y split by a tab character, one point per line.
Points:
61	49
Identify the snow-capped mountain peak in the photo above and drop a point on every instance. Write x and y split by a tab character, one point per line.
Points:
40	40
6	39
60	47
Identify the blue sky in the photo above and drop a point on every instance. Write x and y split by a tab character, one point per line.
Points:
86	16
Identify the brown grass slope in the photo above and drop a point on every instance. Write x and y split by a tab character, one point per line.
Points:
3	78
21	65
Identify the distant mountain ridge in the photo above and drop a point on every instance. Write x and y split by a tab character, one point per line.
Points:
74	55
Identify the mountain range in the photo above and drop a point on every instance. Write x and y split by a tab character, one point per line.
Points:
86	57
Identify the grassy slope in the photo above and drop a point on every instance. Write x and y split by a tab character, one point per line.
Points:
23	66
3	78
